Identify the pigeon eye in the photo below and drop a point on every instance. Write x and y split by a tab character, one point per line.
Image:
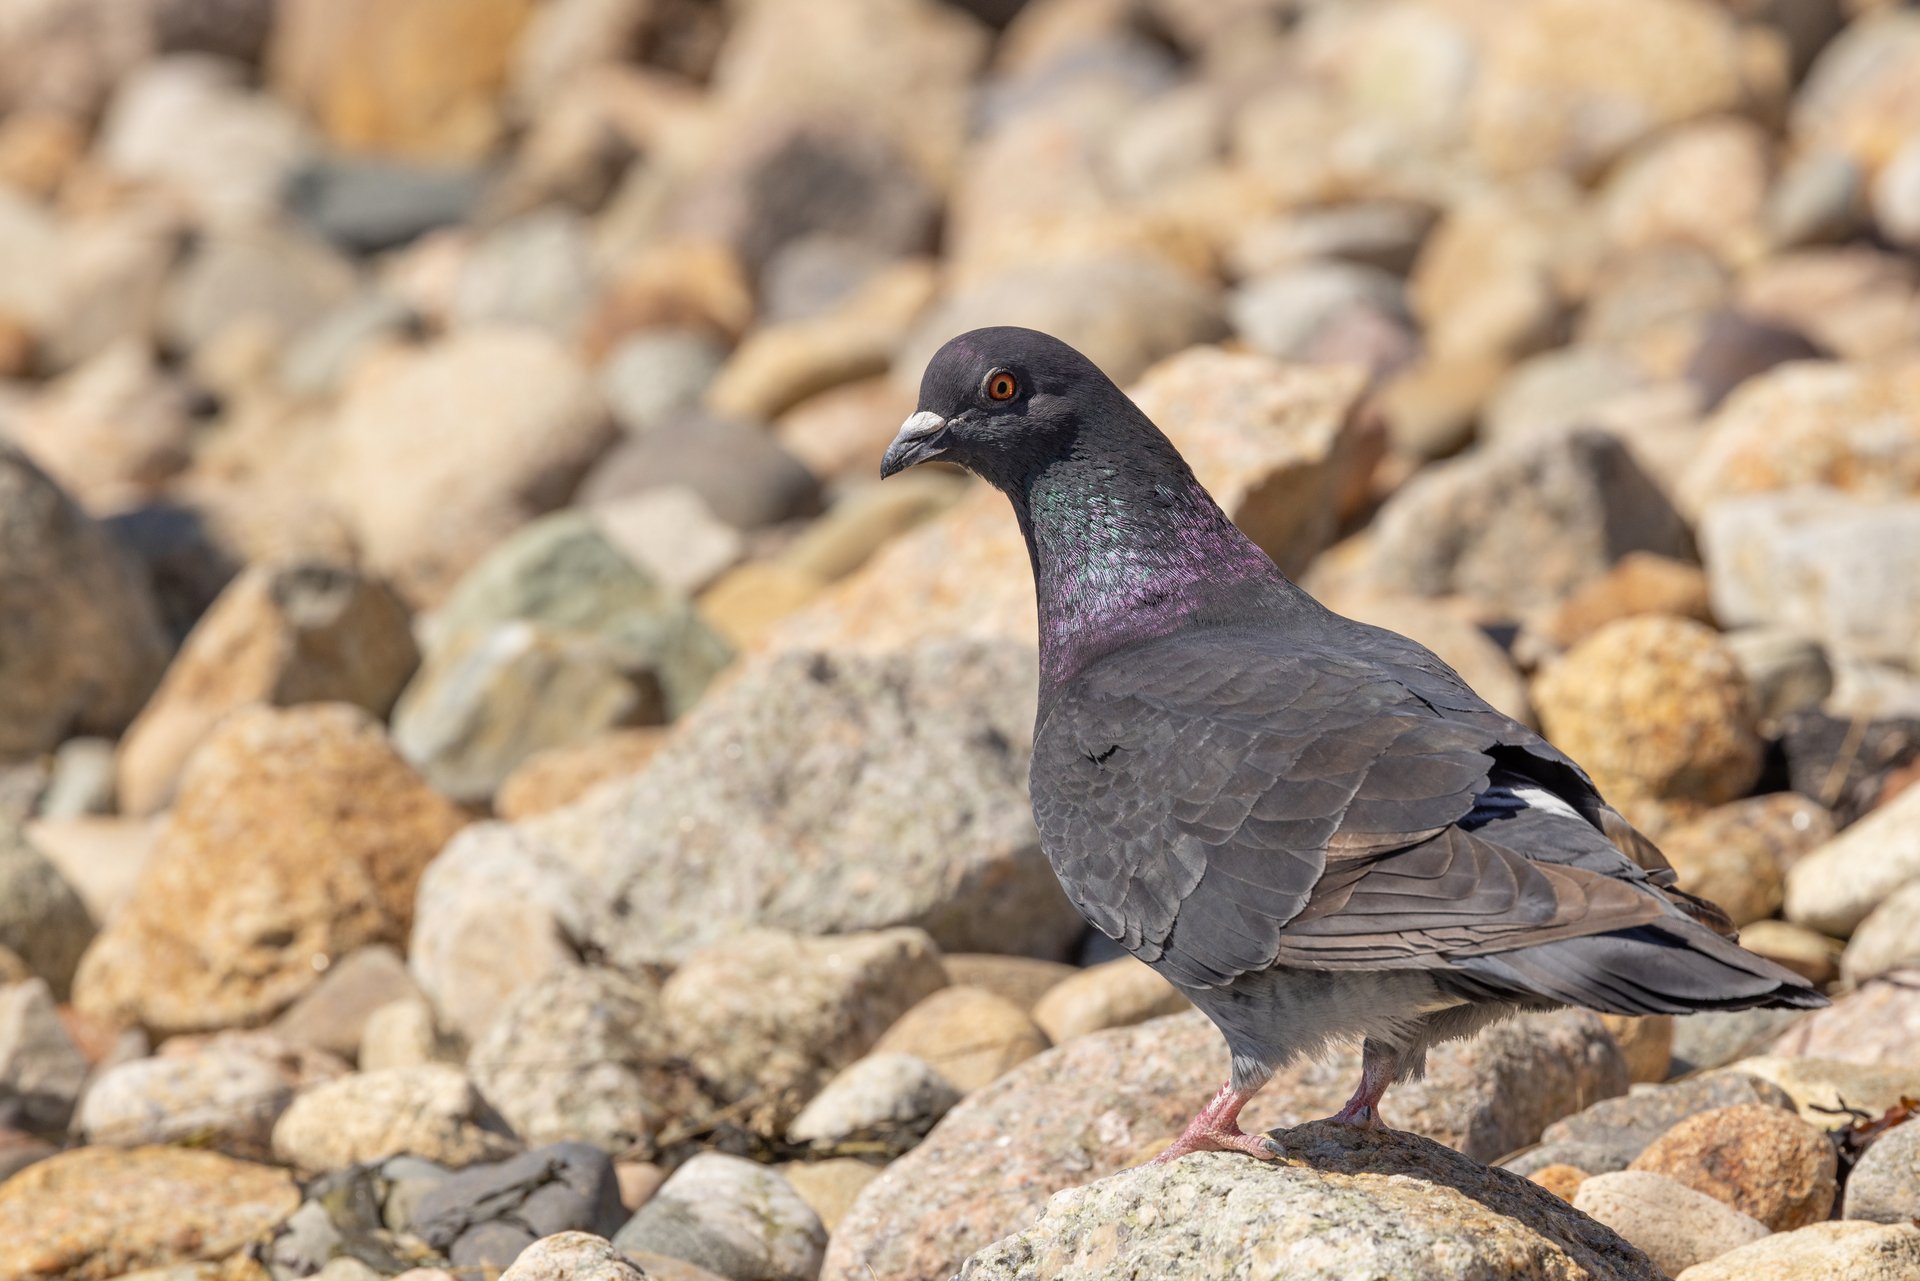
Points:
1000	385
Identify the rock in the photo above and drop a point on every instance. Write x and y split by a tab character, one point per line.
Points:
749	601
1703	183
1486	284
191	125
1819	561
1385	234
737	469
1573	505
573	1256
881	1096
969	1036
1735	347
1640	583
535	271
1737	855
1831	1094
1884	1186
1622	1127
1111	1099
865	519
566	572
298	836
1788	671
278	636
660	1267
95	1213
42	921
672	535
559	776
41	1069
839	433
1758	1159
223	1092
653	377
1888	938
1315	1215
431	1111
1896	198
1859	98
732	1217
1811	955
1645	1042
1852	300
1677	1226
18	1151
1812	423
111	431
773	1016
504	423
1878	1022
1559	88
1555	392
1655	709
421	82
1117	994
1845	762
86	656
1833	888
1123	313
486	1215
1821	1252
1326	311
332	1016
493	914
365	205
583	1055
81	783
1561	1180
780	802
253	285
403	1033
830	1187
100	858
1022	980
1820	197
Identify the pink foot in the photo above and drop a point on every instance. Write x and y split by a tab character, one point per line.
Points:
1217	1129
1377	1069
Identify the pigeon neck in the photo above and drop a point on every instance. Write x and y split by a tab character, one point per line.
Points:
1122	555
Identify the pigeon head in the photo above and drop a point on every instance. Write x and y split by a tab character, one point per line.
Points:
1004	403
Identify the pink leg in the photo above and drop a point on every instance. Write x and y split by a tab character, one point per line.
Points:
1217	1129
1378	1067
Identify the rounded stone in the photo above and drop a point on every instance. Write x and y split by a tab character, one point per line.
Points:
1760	1160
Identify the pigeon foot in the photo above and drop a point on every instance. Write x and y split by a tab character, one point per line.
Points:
1217	1129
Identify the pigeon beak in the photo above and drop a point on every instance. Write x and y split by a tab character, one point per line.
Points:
914	443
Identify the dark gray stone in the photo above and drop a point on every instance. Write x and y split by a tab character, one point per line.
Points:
366	206
485	1215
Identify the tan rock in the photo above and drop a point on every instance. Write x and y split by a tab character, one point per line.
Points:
1673	1223
1825	1089
277	636
1888	938
674	284
111	431
1811	955
1703	184
970	1037
421	79
844	431
298	836
1640	583
1862	94
1655	708
431	1111
94	1213
100	857
1022	980
1561	1180
1118	993
573	1256
560	776
1646	1042
830	1187
752	600
866	519
1842	1251
1756	1158
1835	886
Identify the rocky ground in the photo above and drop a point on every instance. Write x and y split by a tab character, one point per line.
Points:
491	782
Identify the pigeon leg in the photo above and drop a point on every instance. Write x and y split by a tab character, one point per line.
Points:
1378	1068
1217	1129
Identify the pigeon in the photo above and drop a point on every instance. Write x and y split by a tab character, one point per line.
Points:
1312	827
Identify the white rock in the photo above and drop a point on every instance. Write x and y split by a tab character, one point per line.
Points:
733	1217
1834	888
881	1094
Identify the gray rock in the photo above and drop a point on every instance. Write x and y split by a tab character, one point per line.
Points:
1677	1226
304	1243
881	1096
1887	938
1123	312
1622	1127
224	1092
1569	507
582	1054
738	469
806	277
42	920
1593	1157
333	1014
406	1180
652	377
366	205
266	275
1384	234
1297	313
1719	1037
41	1070
731	1217
317	361
1828	563
484	1216
82	780
1843	762
1885	1183
825	793
1347	1203
1556	392
534	270
1787	670
89	651
1736	346
674	536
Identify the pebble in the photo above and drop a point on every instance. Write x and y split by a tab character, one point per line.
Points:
81	784
1808	953
865	520
734	1218
42	1071
1760	1160
94	1213
885	1096
402	1033
1677	1226
1640	583
1646	1042
1117	994
265	868
431	1111
1560	1179
1840	1251
738	469
969	1036
1789	671
1832	1093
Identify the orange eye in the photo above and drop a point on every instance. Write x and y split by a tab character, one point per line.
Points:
1000	385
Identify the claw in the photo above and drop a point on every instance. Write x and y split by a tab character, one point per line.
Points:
1217	1129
